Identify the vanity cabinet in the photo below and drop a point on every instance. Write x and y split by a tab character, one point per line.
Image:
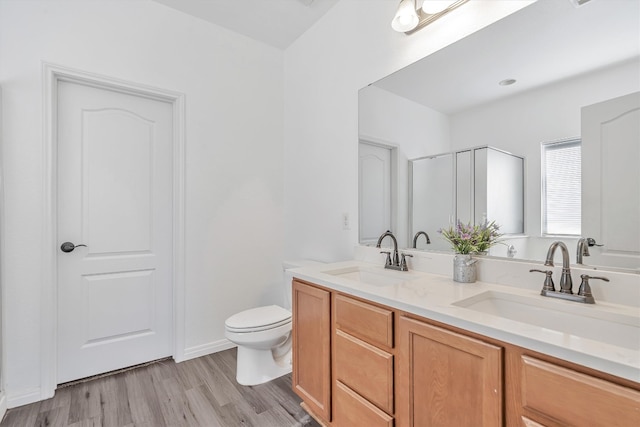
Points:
359	363
311	375
446	379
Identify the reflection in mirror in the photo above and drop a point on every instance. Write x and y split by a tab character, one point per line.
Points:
451	100
611	183
431	198
489	187
374	191
498	189
488	184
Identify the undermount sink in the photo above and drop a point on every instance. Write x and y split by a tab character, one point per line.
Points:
604	324
375	277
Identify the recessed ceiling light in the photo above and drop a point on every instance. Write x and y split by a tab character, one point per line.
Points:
507	82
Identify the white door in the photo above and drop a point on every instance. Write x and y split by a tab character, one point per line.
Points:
611	180
114	163
375	191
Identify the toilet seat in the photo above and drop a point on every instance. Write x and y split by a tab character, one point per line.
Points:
258	319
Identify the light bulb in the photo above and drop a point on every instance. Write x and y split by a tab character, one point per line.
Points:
436	6
406	18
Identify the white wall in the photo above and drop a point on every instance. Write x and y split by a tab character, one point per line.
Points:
350	47
234	174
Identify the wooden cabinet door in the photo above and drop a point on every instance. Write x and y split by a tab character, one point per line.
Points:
311	378
446	379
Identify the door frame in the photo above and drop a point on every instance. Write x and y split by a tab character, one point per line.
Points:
52	74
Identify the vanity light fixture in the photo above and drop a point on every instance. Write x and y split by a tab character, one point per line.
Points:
436	6
406	18
409	18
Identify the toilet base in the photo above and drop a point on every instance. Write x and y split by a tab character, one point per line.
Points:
260	366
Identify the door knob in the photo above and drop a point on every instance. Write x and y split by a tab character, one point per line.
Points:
69	247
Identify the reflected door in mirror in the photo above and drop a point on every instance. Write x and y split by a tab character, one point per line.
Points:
611	180
374	192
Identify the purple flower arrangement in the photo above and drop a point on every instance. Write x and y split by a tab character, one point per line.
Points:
468	239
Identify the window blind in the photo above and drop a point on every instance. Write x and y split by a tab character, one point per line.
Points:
561	188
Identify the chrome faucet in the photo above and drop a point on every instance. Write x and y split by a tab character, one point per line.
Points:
548	290
393	260
566	284
582	250
415	238
584	294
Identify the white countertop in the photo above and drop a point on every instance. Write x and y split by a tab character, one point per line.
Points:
431	296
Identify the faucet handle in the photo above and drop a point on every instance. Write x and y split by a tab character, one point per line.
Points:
585	289
403	261
548	281
388	261
592	242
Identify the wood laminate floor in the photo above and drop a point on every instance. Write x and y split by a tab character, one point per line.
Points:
198	392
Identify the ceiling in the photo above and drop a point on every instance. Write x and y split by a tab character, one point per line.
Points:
541	43
275	22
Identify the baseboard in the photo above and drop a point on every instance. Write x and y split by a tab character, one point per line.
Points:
204	349
24	398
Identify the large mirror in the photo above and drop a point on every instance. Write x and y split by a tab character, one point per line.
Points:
566	60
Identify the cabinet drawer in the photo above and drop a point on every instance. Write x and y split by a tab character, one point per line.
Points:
352	409
366	369
363	320
576	399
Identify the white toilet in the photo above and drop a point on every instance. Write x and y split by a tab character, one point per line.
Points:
263	337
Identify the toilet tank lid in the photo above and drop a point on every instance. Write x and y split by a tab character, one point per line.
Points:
259	316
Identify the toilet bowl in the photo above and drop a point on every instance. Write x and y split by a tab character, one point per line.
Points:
263	337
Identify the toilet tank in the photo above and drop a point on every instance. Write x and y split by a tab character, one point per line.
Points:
287	265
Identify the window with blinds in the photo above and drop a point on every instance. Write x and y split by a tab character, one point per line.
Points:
561	187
